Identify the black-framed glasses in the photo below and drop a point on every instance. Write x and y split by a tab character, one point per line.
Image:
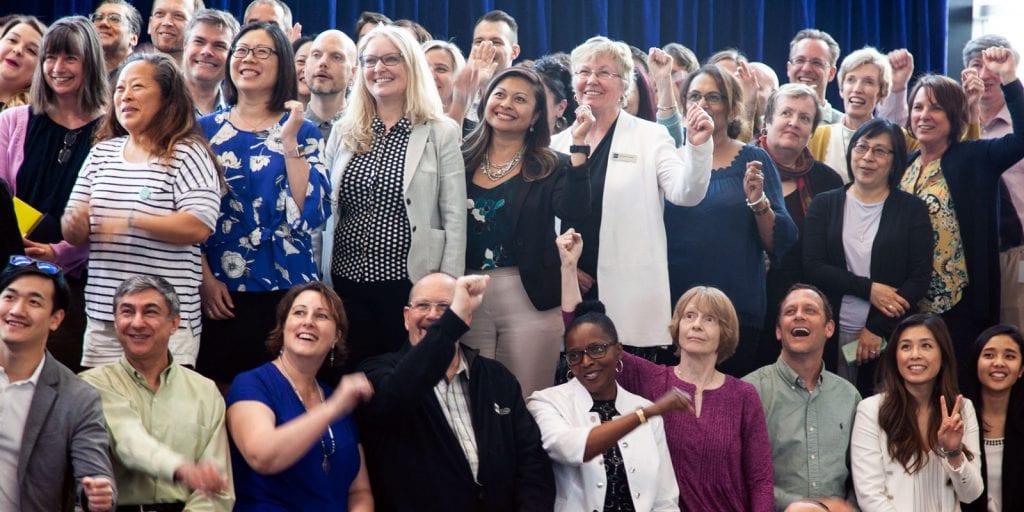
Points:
261	52
112	18
69	142
861	149
390	60
595	350
713	98
45	267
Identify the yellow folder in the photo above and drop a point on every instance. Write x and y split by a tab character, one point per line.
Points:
28	217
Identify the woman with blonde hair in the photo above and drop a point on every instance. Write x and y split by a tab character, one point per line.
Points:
446	62
399	208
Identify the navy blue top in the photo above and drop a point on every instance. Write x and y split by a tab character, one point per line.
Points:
716	242
304	486
491	240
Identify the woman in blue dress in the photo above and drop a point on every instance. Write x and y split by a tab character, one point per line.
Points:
294	444
278	196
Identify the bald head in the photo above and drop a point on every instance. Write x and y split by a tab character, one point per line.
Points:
331	63
429	298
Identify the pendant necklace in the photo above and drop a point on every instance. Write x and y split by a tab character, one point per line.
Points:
495	172
325	465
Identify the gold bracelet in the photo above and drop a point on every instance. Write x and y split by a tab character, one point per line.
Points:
640	414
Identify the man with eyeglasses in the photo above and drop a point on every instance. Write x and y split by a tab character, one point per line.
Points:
167	25
208	37
812	61
119	25
51	423
447	429
808	409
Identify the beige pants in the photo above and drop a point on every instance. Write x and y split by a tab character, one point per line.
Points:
507	327
1012	296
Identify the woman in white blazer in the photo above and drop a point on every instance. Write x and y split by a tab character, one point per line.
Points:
898	463
607	444
400	192
635	167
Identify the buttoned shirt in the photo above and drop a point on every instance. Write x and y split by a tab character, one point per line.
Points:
152	433
323	125
15	402
810	430
996	127
453	397
218	105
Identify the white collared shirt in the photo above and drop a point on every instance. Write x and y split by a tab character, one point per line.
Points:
15	402
453	397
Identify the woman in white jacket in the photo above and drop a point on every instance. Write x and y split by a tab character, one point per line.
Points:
607	445
915	446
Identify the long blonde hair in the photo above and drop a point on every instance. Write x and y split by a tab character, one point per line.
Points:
422	102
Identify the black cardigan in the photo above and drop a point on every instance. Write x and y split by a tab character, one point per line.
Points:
565	194
1013	455
972	170
901	255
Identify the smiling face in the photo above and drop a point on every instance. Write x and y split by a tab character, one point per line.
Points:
115	37
810	64
999	365
596	374
137	97
384	82
309	329
861	91
64	73
252	74
512	106
604	96
870	170
167	24
918	357
301	57
206	53
144	325
428	300
27	313
19	53
928	120
803	326
442	68
790	126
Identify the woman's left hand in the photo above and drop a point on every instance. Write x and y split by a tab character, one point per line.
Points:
1000	61
699	125
869	346
39	251
753	182
290	129
951	430
584	122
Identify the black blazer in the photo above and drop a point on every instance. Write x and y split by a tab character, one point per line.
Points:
972	170
414	460
901	255
565	194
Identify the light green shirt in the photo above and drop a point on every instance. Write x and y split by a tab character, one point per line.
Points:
810	431
152	433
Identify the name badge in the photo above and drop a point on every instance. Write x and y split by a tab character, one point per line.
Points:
624	157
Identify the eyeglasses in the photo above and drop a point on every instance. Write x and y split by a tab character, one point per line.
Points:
585	74
426	307
112	18
815	63
24	261
390	60
65	152
260	52
861	149
713	98
594	350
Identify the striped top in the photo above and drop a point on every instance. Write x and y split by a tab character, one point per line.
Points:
114	188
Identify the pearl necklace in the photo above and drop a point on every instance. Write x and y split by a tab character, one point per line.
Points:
496	172
330	432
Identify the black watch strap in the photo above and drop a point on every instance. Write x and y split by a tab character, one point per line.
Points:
580	149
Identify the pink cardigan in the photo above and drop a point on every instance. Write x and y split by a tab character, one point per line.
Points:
13	127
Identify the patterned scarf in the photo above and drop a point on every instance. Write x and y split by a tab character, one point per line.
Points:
797	173
949	268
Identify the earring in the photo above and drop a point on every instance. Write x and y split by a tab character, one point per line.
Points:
531	128
332	355
568	375
619	366
560	124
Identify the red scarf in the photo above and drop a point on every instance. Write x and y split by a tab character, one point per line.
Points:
796	173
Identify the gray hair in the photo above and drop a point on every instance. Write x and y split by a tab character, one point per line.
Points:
287	11
792	91
813	33
214	18
140	283
617	50
974	47
868	55
682	57
134	17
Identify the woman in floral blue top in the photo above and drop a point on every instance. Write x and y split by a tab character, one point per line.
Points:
278	195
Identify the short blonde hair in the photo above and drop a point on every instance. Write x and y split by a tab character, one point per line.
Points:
868	55
617	50
458	61
422	101
710	301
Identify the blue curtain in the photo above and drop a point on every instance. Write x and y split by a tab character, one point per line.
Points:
760	28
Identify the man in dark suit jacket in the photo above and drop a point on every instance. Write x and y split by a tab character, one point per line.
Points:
447	429
53	446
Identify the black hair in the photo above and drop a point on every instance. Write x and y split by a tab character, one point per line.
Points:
286	87
61	292
592	312
874	128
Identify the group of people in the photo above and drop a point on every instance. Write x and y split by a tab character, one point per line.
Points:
712	269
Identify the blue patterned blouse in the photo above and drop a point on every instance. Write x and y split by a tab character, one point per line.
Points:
262	240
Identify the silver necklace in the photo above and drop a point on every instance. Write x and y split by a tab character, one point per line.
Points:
496	172
325	465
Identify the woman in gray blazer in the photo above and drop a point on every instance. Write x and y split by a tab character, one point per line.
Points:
400	192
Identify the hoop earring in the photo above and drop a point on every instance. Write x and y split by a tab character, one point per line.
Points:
619	366
568	375
560	124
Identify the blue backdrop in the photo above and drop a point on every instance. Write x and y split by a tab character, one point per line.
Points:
760	28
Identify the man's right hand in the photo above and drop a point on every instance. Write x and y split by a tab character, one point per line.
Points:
99	493
202	476
469	293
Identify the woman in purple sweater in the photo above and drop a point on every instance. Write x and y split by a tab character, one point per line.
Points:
721	454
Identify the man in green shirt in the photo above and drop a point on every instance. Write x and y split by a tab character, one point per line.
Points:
809	410
166	422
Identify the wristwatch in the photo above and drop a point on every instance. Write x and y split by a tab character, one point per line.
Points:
584	149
